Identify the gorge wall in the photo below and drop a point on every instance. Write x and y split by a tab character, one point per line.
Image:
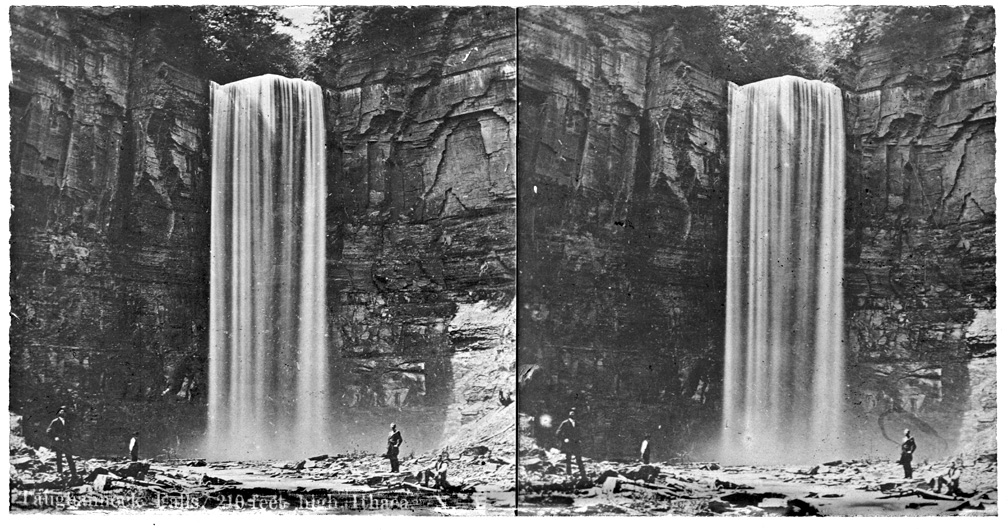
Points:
622	231
421	147
110	229
920	261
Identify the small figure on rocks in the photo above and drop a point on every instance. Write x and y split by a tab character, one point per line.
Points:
438	472
62	437
394	441
645	449
948	480
907	449
570	437
134	446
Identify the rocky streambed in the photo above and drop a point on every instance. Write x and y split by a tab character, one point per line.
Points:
838	488
480	483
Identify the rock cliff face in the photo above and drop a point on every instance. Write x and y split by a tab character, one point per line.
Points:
110	231
421	148
622	230
920	279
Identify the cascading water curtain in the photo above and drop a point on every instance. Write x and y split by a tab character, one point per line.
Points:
268	363
784	356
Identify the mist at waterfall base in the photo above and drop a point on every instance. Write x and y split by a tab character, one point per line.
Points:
269	371
784	356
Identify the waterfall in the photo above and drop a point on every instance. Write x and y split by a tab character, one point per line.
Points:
268	381
784	357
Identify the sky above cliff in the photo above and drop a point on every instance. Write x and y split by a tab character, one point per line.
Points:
301	17
822	18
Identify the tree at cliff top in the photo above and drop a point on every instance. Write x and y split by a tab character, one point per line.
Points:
226	43
913	32
747	43
392	29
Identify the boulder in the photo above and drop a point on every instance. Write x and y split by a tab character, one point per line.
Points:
137	470
611	485
800	508
102	482
477	450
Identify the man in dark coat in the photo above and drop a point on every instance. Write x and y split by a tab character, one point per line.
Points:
570	442
60	433
907	449
394	441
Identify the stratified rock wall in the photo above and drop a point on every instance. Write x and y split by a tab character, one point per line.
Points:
421	148
622	230
920	279
109	228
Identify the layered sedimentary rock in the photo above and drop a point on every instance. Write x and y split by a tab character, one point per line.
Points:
920	279
421	248
621	230
108	231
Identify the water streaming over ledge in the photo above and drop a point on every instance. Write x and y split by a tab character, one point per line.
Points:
784	359
268	363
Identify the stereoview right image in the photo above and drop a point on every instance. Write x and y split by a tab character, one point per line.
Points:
756	261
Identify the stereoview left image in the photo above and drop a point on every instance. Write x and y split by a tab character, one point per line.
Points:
263	259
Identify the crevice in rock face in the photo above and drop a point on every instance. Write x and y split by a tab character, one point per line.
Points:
122	220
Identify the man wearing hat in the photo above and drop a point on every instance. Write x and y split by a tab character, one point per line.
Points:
392	453
438	472
570	442
907	449
59	431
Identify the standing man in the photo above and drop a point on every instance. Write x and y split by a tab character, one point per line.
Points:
394	441
135	446
645	449
907	449
59	431
570	438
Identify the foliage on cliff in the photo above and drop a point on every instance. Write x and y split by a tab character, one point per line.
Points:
913	32
747	43
225	43
336	28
